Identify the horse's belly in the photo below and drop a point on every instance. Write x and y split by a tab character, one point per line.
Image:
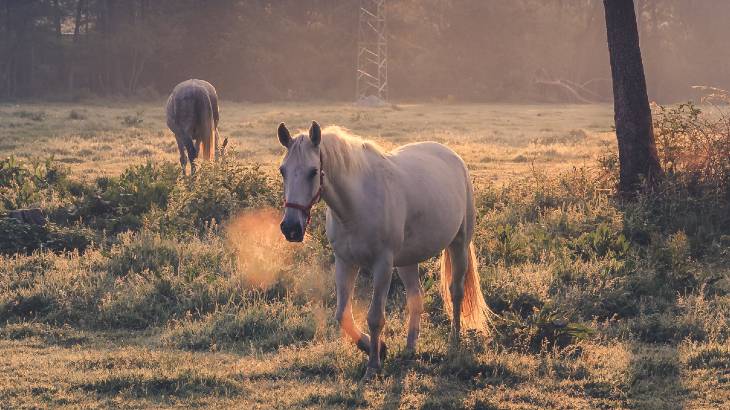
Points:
413	255
422	242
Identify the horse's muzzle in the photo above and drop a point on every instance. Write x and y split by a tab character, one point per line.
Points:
293	231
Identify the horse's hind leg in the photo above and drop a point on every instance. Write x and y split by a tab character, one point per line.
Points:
459	252
382	270
414	296
183	156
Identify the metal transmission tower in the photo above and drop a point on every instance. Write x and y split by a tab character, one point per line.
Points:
372	51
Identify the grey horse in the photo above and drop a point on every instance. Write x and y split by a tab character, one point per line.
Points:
192	115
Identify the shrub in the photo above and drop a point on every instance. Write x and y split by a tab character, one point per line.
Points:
144	252
118	203
76	115
20	237
25	184
133	120
694	197
212	195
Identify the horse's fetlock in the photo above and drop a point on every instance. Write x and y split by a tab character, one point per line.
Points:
340	317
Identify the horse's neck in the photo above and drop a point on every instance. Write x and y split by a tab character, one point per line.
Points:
341	193
344	191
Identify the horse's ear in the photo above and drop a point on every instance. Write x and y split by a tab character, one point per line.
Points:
315	133
284	136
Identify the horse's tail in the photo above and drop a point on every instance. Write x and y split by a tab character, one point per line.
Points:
475	314
207	130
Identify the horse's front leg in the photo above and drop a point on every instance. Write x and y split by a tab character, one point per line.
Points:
382	273
414	296
345	275
183	156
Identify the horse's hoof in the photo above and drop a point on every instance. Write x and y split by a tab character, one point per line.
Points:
365	347
371	373
383	351
409	353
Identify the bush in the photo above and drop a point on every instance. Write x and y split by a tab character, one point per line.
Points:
694	197
20	237
26	184
119	203
212	195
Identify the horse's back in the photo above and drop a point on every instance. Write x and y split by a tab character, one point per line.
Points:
418	151
189	102
430	164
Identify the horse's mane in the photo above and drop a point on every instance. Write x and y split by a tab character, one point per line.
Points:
343	151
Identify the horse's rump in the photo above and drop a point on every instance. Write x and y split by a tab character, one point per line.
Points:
190	115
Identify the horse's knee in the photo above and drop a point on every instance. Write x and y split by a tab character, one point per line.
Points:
375	319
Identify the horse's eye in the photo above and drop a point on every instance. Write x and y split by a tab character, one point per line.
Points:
313	173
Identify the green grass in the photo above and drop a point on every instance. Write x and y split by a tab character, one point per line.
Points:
183	293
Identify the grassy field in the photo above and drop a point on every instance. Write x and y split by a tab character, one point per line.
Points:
181	293
498	141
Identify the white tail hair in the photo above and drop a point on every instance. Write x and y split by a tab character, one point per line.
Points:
475	314
207	130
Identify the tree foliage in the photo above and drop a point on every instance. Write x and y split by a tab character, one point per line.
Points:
263	50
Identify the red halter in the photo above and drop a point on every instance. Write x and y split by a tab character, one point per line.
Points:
307	209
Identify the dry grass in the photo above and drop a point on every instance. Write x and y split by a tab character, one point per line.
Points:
208	340
112	369
498	141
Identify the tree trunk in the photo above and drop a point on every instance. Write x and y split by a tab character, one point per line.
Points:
77	20
636	150
57	17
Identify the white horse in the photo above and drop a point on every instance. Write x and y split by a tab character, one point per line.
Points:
384	210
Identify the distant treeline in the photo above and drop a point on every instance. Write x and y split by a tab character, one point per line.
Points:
259	50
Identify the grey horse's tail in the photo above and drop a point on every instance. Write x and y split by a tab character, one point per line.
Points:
206	131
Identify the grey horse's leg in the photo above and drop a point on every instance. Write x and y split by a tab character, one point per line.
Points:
216	153
414	296
194	156
459	252
382	274
183	156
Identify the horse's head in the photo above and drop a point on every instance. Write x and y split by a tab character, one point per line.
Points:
301	170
